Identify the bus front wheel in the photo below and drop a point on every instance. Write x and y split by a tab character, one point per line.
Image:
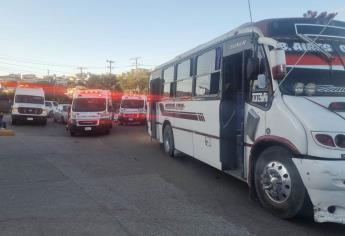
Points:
278	184
168	141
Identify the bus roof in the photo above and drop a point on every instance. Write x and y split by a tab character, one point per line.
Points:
269	27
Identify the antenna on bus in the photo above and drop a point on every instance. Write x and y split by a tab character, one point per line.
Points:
250	11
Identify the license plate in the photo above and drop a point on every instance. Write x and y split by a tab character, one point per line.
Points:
130	119
87	128
29	118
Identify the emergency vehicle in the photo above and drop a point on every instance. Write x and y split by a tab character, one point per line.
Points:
132	109
91	111
264	103
28	105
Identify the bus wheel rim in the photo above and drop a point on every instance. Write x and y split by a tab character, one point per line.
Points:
167	143
276	182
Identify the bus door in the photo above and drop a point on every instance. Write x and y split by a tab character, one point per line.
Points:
232	104
155	87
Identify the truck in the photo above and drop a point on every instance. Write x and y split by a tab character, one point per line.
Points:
28	105
91	112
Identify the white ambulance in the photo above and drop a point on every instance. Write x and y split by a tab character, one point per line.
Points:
91	111
28	105
132	109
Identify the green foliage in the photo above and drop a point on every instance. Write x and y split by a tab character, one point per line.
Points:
135	80
103	82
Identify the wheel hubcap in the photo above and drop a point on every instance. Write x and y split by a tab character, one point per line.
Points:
276	182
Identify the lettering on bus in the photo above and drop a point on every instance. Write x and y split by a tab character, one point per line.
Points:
260	97
238	44
300	47
174	106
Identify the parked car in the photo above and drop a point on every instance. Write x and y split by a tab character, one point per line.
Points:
51	107
61	114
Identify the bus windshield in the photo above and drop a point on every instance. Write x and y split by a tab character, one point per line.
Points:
89	104
132	104
29	99
314	74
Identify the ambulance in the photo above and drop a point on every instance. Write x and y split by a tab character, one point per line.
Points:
91	112
132	109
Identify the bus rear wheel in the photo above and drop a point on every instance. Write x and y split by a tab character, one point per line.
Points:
278	184
168	141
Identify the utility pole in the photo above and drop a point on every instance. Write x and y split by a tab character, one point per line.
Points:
81	71
136	64
110	66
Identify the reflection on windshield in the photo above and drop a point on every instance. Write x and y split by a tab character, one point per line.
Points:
132	103
29	99
89	104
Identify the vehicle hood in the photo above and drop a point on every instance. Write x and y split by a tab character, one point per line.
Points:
314	114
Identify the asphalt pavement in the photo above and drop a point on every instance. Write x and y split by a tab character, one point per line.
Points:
122	184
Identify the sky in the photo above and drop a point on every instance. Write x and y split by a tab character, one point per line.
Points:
60	36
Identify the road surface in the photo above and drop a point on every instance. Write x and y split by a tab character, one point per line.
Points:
122	184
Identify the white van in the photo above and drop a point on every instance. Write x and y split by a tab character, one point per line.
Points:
132	109
91	111
28	105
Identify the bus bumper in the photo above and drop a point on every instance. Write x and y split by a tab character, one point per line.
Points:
325	183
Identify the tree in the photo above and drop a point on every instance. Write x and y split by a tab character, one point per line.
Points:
135	80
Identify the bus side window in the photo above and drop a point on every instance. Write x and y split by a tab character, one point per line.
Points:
259	94
208	73
169	85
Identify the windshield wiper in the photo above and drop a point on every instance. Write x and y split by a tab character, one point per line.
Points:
340	58
314	44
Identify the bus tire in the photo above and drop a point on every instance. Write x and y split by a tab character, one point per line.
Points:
72	133
278	184
168	141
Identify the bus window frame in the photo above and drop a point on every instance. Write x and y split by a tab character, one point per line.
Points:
191	77
216	96
270	91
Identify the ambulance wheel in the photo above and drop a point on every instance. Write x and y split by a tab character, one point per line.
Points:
278	184
168	141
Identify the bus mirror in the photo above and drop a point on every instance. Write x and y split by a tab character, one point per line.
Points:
278	62
252	68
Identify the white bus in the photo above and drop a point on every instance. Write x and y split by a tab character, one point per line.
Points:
266	104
